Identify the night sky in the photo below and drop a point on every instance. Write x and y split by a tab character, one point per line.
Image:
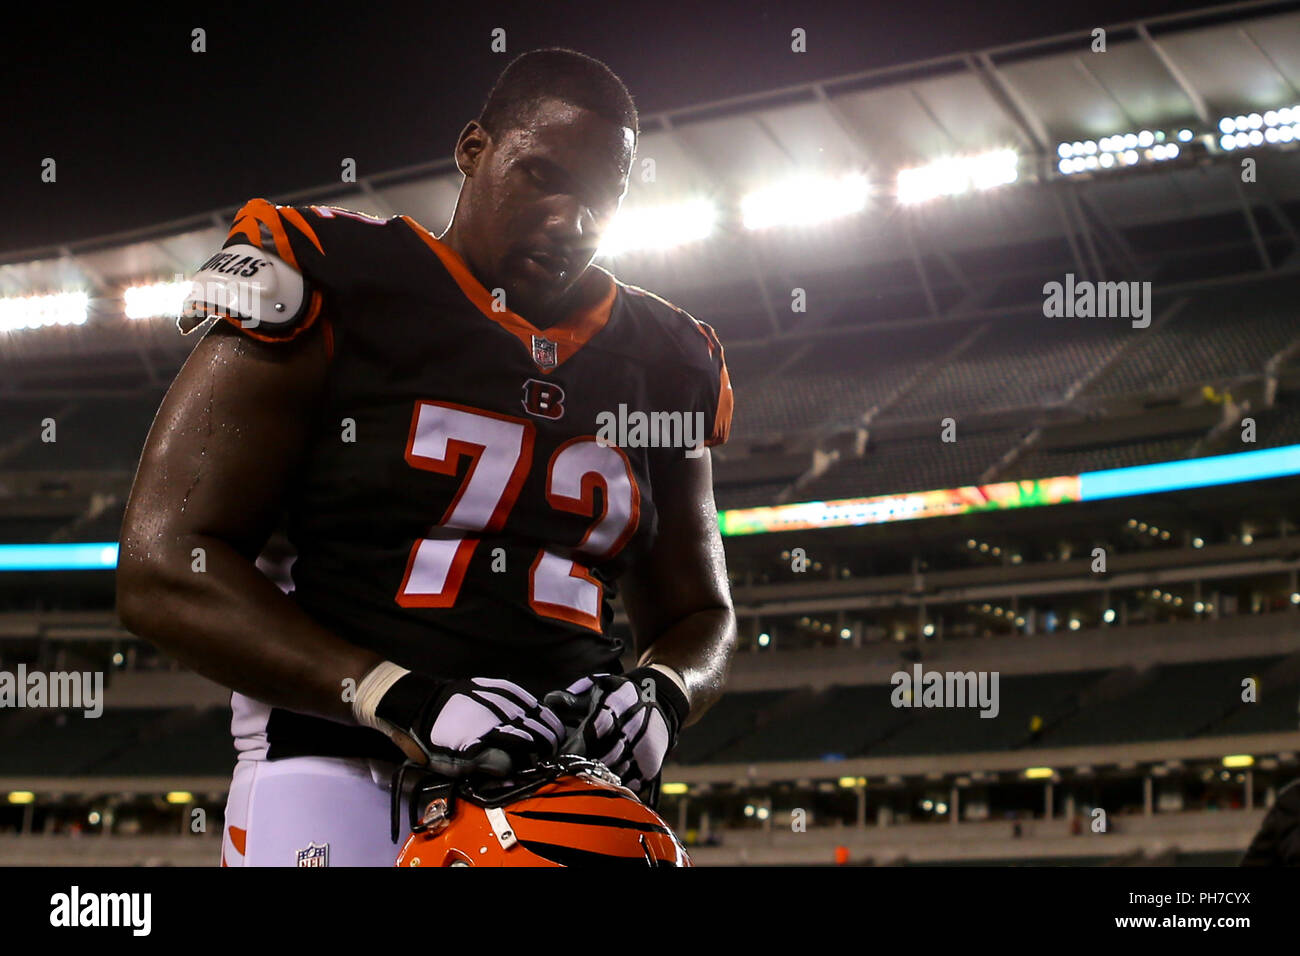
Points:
145	131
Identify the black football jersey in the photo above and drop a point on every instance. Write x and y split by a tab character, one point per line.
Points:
474	485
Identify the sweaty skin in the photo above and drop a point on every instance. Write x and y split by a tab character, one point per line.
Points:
232	431
223	449
677	597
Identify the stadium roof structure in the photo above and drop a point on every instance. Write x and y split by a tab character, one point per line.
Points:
1184	220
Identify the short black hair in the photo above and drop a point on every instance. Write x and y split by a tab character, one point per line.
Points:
560	73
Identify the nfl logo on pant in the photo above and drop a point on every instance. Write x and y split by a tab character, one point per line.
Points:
314	855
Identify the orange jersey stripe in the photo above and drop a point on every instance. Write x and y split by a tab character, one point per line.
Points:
569	335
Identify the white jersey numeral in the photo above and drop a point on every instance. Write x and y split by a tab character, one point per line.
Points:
501	447
562	588
502	450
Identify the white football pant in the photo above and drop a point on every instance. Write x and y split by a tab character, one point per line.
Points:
311	811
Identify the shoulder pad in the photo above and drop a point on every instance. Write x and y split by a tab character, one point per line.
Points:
257	289
256	281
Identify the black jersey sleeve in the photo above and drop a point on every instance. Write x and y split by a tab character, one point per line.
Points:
716	399
697	352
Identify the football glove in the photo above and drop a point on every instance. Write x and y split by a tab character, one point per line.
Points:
481	724
629	722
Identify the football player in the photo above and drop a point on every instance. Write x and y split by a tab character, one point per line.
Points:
424	413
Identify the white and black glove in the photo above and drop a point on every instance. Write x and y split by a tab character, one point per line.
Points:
629	722
480	724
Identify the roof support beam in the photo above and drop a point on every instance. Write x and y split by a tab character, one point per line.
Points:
1067	227
1193	95
1255	235
1107	229
919	266
1082	66
756	271
852	134
1010	102
1263	55
1085	231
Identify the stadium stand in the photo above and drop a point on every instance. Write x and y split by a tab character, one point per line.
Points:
1120	688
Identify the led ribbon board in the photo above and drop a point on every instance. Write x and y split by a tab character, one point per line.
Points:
847	512
101	556
1003	496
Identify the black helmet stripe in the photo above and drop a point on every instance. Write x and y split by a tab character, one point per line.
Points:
590	819
572	856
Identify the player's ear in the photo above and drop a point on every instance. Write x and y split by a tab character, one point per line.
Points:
470	147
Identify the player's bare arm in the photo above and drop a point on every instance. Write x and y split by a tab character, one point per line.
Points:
677	597
216	468
214	475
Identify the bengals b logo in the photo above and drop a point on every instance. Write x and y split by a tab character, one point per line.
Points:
543	399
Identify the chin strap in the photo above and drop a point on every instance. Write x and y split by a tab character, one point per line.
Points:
395	805
651	798
425	781
485	792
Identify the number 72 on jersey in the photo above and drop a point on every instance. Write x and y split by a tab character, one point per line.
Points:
500	449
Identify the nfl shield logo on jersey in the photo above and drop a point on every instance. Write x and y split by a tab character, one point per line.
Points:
543	352
314	855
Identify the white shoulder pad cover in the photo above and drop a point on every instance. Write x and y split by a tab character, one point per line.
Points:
249	284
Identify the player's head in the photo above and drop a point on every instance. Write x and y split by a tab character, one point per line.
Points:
546	166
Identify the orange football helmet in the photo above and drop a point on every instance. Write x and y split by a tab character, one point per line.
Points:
567	811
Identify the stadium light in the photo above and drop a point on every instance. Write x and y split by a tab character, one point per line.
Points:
39	311
21	797
1239	760
157	299
659	227
1119	150
179	796
958	175
675	789
1249	130
1039	773
805	201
